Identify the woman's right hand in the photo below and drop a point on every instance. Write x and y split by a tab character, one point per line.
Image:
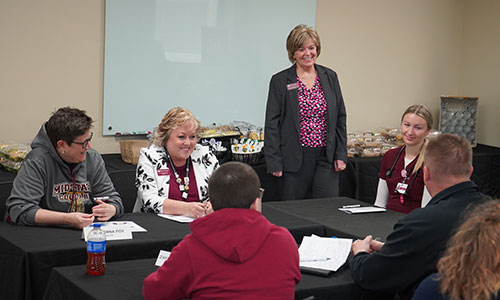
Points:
176	207
277	173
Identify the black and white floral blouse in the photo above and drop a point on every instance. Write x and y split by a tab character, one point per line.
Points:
152	176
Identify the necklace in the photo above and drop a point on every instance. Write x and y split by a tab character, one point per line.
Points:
183	186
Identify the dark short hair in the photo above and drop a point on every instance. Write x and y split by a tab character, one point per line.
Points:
448	154
233	185
67	124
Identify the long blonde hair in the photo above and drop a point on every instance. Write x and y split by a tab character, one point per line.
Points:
423	112
470	267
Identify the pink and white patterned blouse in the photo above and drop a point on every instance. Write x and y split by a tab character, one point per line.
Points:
312	114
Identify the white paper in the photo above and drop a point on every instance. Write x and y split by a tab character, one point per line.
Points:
113	232
134	227
162	257
181	219
362	210
324	253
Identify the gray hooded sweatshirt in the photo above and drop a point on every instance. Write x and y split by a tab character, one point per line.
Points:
46	181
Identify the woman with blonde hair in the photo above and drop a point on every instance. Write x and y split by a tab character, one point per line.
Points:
401	183
470	266
172	173
305	127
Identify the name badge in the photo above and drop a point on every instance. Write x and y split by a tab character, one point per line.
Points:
163	172
292	86
113	232
401	188
162	257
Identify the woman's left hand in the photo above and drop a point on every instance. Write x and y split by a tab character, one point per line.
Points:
208	208
339	165
103	211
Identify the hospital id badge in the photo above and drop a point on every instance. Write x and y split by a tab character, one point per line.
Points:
401	188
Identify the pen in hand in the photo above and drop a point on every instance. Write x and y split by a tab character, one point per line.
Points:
104	199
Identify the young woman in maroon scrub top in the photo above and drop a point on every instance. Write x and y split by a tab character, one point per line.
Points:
401	185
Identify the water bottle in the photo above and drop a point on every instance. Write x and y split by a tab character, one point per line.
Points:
96	251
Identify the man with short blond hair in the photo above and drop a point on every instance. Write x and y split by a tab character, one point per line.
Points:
413	248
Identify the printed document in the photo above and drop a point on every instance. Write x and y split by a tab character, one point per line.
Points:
324	253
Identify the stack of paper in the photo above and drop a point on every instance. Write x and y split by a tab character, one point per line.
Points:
324	253
361	210
178	218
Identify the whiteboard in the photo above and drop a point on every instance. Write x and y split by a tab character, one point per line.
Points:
213	57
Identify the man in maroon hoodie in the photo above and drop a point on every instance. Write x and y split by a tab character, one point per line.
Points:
232	253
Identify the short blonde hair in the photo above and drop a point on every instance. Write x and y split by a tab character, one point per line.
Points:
174	118
448	155
298	36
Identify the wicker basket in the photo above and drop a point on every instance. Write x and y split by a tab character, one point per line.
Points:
248	158
130	150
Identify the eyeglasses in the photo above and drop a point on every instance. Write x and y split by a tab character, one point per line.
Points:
86	142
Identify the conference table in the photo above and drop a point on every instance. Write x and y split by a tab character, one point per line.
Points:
123	280
30	254
339	223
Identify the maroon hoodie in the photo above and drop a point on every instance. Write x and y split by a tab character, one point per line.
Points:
230	254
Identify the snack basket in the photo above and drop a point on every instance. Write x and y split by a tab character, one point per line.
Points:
248	151
130	150
248	158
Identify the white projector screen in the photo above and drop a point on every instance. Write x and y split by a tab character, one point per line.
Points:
214	57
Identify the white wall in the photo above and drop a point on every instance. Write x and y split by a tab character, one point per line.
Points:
480	72
389	54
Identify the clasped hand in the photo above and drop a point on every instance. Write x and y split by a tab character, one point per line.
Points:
368	244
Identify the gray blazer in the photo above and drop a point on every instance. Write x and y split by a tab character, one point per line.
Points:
282	134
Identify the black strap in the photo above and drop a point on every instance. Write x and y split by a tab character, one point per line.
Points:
389	173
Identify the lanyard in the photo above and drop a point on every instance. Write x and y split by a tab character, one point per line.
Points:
406	175
389	173
73	206
183	186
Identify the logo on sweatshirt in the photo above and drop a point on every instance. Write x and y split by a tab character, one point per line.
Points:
68	192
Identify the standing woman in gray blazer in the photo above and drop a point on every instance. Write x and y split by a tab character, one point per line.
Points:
305	127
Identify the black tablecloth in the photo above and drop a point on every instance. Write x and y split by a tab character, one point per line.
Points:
363	174
338	223
29	253
124	280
